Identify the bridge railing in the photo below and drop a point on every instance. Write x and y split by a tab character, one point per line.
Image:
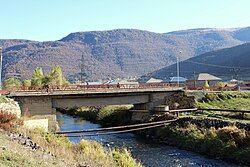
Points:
79	87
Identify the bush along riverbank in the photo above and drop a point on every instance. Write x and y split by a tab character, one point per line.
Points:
113	115
228	142
35	148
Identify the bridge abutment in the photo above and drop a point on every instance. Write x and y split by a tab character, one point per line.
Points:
39	107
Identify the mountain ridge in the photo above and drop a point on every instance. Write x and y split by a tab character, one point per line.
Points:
114	53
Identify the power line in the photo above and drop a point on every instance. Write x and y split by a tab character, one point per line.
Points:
121	131
116	127
220	66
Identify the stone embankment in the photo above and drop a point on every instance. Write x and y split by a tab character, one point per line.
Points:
24	140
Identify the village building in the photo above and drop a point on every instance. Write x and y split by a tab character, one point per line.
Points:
205	77
201	79
154	80
176	79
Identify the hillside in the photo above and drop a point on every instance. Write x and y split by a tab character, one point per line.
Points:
225	63
115	53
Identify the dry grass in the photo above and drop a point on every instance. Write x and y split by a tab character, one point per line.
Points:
57	145
94	154
123	158
228	142
86	152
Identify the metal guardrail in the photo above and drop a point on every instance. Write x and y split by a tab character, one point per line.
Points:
98	88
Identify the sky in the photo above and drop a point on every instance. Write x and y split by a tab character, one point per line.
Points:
45	20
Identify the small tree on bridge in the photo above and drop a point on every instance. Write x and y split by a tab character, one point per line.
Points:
12	83
27	83
38	81
37	78
56	78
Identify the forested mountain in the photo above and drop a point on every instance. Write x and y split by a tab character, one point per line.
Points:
225	63
115	53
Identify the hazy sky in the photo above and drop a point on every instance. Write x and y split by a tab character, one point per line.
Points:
45	20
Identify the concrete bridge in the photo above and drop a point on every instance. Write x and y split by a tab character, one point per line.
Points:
45	103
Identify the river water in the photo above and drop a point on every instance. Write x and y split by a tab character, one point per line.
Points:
148	153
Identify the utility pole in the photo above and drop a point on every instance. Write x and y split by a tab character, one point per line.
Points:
194	80
1	60
178	70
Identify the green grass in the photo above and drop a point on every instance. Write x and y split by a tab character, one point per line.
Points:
114	115
106	116
228	100
234	103
88	113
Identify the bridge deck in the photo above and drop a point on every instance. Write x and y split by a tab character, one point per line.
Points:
90	91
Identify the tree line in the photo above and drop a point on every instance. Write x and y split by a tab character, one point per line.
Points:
54	79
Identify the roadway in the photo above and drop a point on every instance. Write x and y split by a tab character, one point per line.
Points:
89	91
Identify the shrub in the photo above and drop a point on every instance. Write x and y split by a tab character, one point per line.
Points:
232	133
228	142
123	158
8	121
89	113
114	115
210	97
12	83
93	153
6	117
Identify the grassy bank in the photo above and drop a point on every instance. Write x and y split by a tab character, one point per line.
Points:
23	147
229	142
225	100
107	116
58	149
212	133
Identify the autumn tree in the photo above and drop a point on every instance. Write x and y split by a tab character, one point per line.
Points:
27	83
37	78
56	78
12	83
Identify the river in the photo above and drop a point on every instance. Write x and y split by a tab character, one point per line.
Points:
150	154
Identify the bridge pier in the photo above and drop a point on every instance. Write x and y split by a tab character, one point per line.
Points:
143	111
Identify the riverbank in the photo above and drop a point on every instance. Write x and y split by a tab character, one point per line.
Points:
225	100
146	151
36	148
221	135
215	134
227	142
114	115
23	147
